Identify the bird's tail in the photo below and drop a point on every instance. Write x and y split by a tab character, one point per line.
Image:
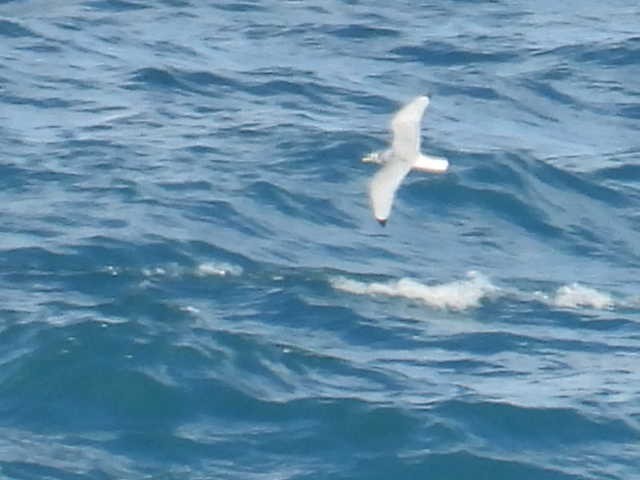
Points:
429	164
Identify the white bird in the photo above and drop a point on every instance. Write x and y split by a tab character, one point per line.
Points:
398	160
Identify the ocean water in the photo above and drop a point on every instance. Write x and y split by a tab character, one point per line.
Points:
192	285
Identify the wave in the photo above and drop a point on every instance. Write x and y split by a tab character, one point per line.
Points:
456	295
576	295
477	289
207	269
200	82
117	5
441	53
14	29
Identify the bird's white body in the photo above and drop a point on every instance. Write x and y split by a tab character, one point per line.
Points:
403	156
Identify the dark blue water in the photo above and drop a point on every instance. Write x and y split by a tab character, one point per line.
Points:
192	285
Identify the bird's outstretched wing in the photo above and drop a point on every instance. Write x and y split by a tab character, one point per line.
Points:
384	184
405	127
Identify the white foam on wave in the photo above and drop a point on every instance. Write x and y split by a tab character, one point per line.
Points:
456	295
191	310
154	272
217	269
576	295
207	269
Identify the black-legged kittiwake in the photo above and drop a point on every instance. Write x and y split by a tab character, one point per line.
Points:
398	160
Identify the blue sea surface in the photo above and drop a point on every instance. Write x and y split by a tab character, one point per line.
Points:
192	284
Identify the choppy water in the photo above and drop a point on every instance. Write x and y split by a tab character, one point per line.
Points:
192	285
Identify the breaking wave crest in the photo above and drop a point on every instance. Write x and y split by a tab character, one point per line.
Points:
455	295
476	288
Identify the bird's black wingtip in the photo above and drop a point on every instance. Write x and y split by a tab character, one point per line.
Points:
382	222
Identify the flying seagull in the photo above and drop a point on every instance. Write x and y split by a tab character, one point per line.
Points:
398	160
